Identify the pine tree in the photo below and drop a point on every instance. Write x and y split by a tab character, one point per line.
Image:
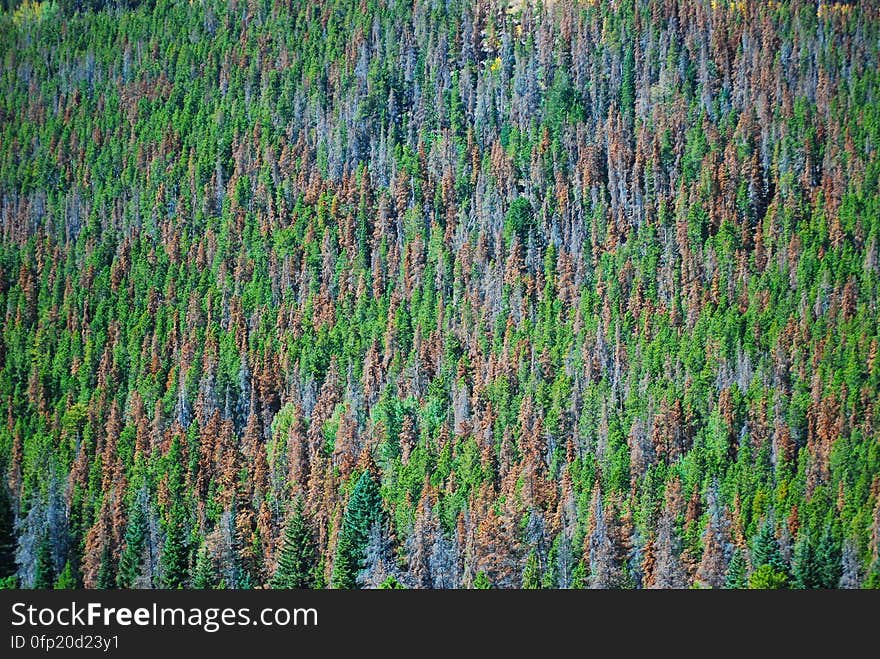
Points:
132	557
204	574
7	534
391	583
872	581
345	567
766	578
828	561
716	545
668	571
175	551
766	550
605	546
804	567
771	571
363	510
481	581
736	571
66	579
531	578
298	560
44	576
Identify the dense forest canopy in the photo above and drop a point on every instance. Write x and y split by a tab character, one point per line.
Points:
439	294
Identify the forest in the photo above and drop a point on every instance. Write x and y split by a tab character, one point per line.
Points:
439	294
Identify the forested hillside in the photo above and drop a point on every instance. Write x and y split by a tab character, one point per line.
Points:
440	294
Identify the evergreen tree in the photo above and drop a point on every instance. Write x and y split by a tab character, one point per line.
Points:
804	565
391	583
363	510
105	570
828	561
766	550
872	581
175	550
736	571
588	257
66	579
135	544
481	581
298	560
771	570
851	573
44	577
531	578
7	534
204	575
767	578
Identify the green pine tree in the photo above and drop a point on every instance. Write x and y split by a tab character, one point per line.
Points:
481	581
804	567
105	572
66	579
391	584
736	571
7	535
297	563
771	570
363	509
44	577
204	575
828	561
131	558
550	579
531	578
175	551
766	550
767	578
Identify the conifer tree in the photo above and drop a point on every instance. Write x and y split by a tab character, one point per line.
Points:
44	577
481	581
66	579
131	560
766	550
828	560
298	560
531	578
736	571
204	574
7	535
804	566
770	568
175	550
363	510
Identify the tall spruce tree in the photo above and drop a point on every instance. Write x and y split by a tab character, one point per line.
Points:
804	568
298	561
771	570
66	579
132	557
175	551
828	560
7	533
363	510
204	574
736	571
44	576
